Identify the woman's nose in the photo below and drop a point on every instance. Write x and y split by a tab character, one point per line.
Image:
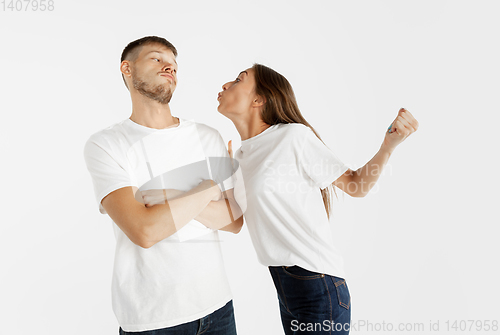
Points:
224	87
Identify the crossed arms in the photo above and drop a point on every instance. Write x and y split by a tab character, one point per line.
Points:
159	216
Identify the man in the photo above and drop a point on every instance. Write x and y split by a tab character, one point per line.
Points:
168	275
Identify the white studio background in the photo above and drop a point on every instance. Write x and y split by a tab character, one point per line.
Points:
421	247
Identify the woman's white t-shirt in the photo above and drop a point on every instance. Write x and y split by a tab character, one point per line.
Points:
283	169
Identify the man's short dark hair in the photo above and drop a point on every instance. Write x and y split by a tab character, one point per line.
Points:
132	50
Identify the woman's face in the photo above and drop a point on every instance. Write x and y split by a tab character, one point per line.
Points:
238	96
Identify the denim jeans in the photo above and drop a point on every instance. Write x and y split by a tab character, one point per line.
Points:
311	303
220	322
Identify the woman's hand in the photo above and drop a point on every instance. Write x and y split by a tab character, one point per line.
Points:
403	126
230	148
230	151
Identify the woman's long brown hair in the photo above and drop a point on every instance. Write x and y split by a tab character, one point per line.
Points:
281	107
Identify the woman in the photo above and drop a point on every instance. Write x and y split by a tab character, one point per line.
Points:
288	174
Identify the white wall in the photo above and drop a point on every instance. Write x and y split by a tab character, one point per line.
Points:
422	246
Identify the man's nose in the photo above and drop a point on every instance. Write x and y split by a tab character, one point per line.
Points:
168	67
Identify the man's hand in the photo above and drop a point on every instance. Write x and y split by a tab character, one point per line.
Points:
157	196
216	189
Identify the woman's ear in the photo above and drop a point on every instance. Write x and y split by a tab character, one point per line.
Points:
258	101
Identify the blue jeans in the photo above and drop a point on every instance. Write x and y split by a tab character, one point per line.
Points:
220	322
311	303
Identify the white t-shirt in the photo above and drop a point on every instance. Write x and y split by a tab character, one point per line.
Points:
181	278
283	169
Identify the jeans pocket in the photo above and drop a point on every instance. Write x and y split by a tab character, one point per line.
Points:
300	273
342	292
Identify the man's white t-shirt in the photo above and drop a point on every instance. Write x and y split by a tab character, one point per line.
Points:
284	168
181	278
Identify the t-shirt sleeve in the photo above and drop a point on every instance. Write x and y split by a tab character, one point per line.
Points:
106	173
318	161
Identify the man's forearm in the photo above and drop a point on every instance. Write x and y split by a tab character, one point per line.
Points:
166	219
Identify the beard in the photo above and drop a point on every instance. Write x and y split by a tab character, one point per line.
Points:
159	93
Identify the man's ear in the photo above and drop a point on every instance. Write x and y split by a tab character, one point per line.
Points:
125	68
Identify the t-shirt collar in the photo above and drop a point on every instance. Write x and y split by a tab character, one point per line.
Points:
141	127
251	139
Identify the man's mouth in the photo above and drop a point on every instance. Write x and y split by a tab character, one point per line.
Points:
168	76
